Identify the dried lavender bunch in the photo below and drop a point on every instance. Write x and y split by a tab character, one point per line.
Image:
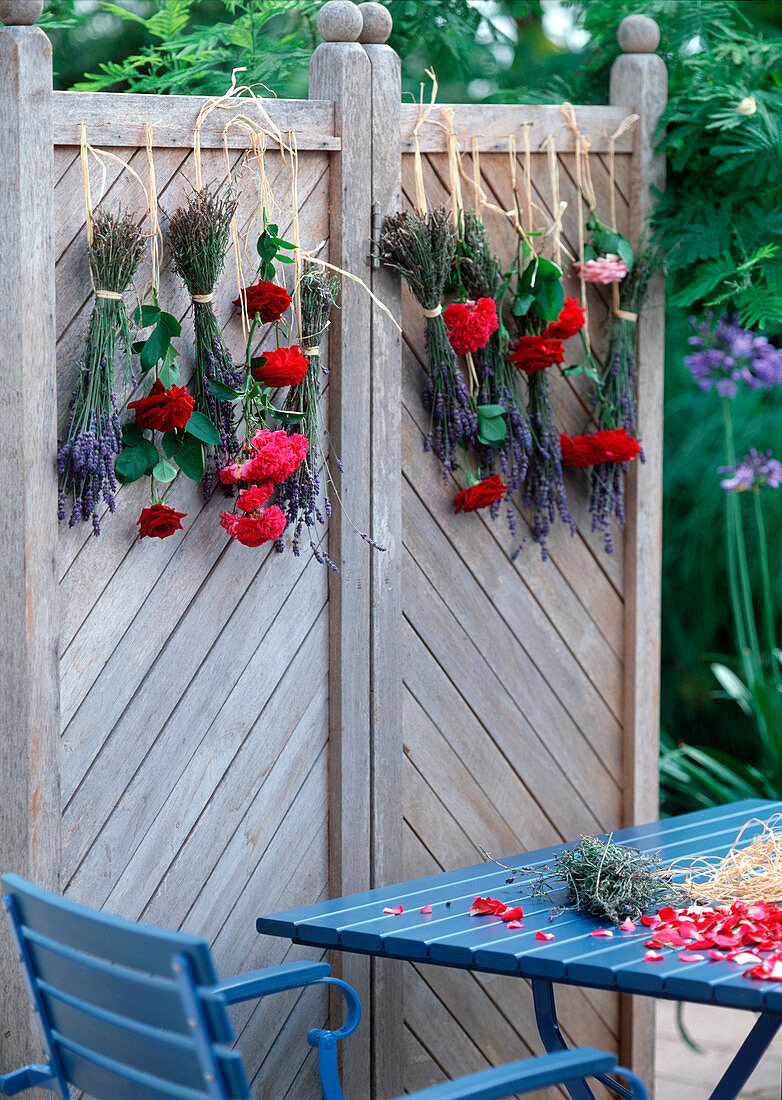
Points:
608	880
421	247
545	489
298	496
618	402
198	235
85	456
477	273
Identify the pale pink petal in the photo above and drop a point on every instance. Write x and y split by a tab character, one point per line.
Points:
627	926
394	911
426	909
515	924
603	933
691	957
654	957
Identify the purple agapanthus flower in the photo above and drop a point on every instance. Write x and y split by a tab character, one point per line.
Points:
729	354
754	469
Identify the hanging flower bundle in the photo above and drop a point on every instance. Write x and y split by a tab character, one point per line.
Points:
502	426
198	236
299	495
421	247
92	436
544	319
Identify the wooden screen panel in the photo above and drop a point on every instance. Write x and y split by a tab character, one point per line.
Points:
513	669
194	670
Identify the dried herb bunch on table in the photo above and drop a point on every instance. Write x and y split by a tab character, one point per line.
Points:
198	236
92	436
421	247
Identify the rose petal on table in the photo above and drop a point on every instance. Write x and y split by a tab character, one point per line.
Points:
603	933
544	935
654	957
395	910
746	958
515	924
426	909
716	955
512	914
691	957
627	926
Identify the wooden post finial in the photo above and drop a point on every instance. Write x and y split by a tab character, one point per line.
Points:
340	21
638	34
378	23
20	13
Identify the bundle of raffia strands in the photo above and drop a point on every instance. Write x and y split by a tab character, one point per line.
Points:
751	871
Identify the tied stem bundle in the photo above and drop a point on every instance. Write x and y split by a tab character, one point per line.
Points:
545	491
478	274
421	247
92	437
199	234
299	495
618	401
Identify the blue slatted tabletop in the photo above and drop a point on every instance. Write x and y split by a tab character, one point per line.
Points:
449	936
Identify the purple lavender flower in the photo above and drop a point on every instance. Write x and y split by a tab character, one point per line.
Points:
729	354
755	469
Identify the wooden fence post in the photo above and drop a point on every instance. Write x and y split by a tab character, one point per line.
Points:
386	568
340	72
29	686
639	81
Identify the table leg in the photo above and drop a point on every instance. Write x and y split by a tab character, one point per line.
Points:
553	1040
752	1050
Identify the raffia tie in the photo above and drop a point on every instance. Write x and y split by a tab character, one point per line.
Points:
438	309
310	353
585	193
201	298
110	295
625	125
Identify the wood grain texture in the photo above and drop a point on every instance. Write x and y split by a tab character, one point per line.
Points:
640	82
386	572
29	690
113	119
341	72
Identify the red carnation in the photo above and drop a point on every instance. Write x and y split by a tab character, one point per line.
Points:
268	300
254	530
481	495
282	367
570	321
604	446
534	353
159	521
276	456
163	410
255	496
470	324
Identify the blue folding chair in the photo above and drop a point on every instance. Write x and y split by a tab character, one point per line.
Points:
131	1012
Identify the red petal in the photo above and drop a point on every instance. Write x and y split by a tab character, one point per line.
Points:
426	909
512	914
544	935
394	911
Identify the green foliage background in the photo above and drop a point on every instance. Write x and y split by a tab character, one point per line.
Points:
720	222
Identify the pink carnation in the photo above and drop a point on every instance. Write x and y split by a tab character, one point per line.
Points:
277	456
470	324
267	526
605	269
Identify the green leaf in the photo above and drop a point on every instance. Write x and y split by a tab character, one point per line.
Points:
164	471
190	458
136	461
492	428
171	324
625	252
490	411
548	270
155	347
522	304
221	391
146	315
202	428
285	417
168	371
735	688
257	361
131	435
550	299
171	443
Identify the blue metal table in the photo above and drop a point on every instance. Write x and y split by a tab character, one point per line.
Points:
450	937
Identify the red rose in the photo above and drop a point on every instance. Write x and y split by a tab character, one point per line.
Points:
570	321
534	353
159	521
282	367
481	495
163	410
470	324
613	445
268	300
255	496
254	530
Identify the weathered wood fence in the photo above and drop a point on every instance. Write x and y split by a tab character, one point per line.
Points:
194	733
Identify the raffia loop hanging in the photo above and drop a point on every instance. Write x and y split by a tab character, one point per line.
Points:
102	156
751	871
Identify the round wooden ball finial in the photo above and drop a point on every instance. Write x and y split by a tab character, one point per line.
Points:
378	23
20	13
340	21
638	34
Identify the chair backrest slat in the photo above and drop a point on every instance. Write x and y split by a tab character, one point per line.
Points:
143	997
138	946
99	1076
150	1050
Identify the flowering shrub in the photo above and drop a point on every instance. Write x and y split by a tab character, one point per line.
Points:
729	354
755	469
